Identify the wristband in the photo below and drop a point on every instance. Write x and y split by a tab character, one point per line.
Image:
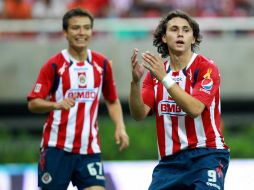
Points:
167	82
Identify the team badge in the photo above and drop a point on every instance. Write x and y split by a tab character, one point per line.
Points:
82	79
46	178
207	82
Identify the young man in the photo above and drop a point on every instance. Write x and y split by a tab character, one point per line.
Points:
69	87
185	96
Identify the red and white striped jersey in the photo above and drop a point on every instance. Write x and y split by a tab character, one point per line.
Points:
175	129
75	130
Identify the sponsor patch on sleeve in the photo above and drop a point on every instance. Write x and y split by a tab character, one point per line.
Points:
207	82
37	88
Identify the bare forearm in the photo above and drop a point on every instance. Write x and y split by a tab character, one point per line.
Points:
136	104
189	104
115	112
39	105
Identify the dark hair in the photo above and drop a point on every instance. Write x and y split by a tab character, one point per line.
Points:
160	31
76	12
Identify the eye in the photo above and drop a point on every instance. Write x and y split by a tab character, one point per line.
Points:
88	27
75	27
173	29
186	29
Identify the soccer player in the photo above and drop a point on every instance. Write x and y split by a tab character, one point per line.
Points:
69	86
184	93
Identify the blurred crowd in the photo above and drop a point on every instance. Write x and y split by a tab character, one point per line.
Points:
29	9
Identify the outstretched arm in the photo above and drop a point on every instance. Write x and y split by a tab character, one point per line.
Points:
116	114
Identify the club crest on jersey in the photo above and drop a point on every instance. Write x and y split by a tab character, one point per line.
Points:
46	178
169	107
82	79
207	82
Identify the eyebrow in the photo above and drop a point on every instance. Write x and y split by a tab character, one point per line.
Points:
81	25
187	26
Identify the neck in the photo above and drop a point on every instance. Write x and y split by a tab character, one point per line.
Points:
179	62
79	55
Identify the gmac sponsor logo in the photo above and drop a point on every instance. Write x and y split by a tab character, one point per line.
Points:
169	107
83	95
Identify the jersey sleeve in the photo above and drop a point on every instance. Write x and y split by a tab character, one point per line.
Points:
43	83
109	88
207	84
148	91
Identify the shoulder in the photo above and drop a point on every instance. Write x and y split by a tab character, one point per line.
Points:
205	63
100	60
57	60
207	68
96	56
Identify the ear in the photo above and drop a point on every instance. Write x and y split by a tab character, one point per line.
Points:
164	39
65	33
193	41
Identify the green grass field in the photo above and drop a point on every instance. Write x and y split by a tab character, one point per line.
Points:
23	147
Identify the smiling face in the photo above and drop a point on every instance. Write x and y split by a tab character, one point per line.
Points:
78	33
179	36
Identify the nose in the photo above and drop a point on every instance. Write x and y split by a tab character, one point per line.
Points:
81	30
180	33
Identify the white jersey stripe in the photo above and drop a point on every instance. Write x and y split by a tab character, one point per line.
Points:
217	139
86	130
181	119
199	128
167	127
182	132
94	143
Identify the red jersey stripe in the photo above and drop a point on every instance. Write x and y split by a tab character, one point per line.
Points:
78	128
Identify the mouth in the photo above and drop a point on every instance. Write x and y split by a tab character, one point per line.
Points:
81	41
179	42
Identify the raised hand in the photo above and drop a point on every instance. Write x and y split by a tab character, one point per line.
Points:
137	69
155	64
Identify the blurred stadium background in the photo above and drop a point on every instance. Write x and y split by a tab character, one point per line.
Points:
30	32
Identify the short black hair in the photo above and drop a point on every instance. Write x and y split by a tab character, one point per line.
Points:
160	31
76	12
